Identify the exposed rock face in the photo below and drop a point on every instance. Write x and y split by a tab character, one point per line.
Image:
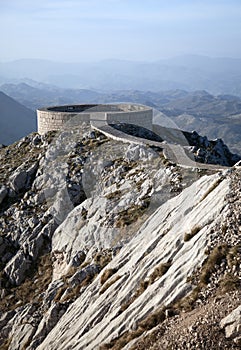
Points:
214	152
101	240
232	325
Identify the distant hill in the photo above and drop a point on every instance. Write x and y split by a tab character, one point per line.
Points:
16	120
37	95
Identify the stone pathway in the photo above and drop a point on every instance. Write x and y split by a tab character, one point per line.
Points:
173	152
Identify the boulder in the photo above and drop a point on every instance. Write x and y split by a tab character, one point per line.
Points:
17	267
22	178
232	325
18	180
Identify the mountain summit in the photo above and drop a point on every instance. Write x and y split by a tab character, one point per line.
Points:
111	245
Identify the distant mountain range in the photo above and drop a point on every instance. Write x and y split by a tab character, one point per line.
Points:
16	120
216	75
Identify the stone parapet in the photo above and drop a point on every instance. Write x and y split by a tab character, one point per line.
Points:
61	117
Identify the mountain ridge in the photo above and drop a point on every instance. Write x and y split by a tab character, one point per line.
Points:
104	241
16	120
217	75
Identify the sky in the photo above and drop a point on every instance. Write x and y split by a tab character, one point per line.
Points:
138	30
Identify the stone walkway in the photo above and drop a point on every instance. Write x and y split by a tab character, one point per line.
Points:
173	152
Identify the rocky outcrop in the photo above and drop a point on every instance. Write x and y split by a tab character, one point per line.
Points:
100	240
22	178
232	325
210	152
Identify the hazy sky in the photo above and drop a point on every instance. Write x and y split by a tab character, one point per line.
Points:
83	30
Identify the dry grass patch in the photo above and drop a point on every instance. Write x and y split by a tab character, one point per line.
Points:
132	214
74	292
215	258
146	324
31	288
194	231
114	195
229	282
108	284
106	275
5	345
157	273
103	258
187	303
214	185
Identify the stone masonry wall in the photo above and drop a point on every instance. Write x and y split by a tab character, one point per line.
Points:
48	121
52	119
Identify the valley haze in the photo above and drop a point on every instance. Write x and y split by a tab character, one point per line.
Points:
188	72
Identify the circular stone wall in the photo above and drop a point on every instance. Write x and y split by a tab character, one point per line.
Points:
55	118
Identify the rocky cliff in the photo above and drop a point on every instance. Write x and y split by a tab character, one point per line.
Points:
106	245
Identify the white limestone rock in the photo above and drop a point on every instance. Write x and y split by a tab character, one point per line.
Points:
18	180
49	320
17	267
232	325
21	327
139	152
94	317
22	177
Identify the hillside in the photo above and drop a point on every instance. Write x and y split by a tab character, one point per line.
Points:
16	120
110	245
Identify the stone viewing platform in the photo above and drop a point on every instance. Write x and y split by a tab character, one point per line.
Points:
57	117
